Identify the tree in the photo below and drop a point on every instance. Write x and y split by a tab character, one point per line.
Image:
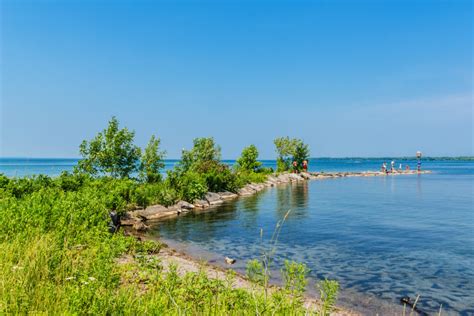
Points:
152	161
285	148
301	153
248	159
111	152
289	150
205	152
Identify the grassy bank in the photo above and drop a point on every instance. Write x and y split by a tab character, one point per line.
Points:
58	255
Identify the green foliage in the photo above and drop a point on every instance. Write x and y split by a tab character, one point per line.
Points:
328	290
203	154
152	161
111	152
256	272
294	275
200	170
58	258
189	185
156	193
248	160
301	153
289	150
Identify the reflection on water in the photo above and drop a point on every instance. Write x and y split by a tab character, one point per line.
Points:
381	237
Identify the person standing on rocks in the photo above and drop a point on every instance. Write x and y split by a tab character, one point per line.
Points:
305	165
295	167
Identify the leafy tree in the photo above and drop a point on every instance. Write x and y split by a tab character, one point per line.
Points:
289	150
248	159
111	152
285	149
152	161
204	152
301	153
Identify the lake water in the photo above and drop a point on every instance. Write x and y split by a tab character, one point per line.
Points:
381	237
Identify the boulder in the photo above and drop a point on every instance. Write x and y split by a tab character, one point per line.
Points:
184	206
201	203
213	198
256	186
295	177
272	179
227	195
129	219
305	175
284	178
245	191
140	226
156	212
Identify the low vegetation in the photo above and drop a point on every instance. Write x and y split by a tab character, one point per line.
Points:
57	256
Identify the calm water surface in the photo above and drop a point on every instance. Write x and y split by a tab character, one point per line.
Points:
380	237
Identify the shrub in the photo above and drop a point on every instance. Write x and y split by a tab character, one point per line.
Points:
248	160
189	186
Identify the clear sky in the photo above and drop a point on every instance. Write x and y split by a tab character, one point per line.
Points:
351	78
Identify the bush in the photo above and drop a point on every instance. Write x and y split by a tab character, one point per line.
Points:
248	160
189	186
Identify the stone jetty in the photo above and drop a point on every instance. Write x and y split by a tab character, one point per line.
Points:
139	218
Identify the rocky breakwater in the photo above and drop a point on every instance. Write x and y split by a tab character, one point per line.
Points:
139	218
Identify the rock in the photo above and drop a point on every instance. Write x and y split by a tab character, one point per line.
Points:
140	226
129	219
213	198
155	212
283	178
229	260
201	203
227	195
245	191
184	206
295	177
305	175
272	179
256	186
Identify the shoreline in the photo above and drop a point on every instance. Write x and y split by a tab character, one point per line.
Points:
140	217
189	264
137	221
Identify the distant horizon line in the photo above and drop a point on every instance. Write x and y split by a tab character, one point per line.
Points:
321	157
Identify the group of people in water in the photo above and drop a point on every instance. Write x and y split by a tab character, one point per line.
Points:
392	167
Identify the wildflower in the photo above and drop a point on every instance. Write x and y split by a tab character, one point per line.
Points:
70	278
17	268
92	279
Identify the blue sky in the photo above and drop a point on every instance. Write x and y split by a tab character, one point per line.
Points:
351	78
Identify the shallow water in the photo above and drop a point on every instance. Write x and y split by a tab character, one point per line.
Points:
380	237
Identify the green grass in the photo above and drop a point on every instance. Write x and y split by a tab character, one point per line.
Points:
57	257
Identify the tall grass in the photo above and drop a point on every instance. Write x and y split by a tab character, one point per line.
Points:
57	257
